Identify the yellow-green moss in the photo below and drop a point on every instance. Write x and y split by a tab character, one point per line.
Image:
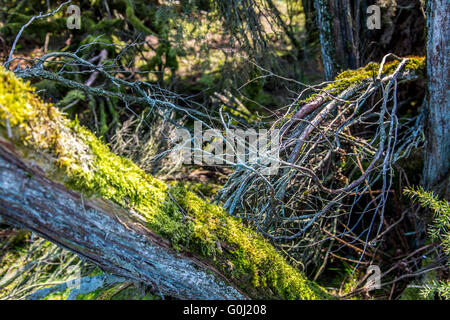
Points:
206	189
349	78
176	213
135	20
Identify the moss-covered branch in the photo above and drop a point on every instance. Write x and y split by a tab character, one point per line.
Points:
69	153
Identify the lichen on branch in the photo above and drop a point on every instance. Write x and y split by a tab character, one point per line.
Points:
83	162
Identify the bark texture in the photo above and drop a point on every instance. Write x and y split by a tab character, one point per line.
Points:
102	232
67	152
338	37
437	156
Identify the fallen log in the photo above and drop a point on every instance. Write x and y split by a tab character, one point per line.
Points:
103	232
58	180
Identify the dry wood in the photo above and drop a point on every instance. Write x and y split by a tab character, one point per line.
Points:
102	232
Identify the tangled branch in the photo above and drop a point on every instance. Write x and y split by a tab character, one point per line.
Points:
335	148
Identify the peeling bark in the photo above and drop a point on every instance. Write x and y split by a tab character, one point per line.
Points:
103	232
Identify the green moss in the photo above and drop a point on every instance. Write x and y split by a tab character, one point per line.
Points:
440	228
366	74
209	190
94	295
349	78
135	22
61	295
411	294
176	213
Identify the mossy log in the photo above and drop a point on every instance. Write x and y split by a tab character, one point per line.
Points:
437	156
60	181
101	231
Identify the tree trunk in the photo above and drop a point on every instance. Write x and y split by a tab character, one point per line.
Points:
102	232
437	156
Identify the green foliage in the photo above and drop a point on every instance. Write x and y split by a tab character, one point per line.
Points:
61	295
71	96
439	230
208	190
441	288
103	27
137	24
